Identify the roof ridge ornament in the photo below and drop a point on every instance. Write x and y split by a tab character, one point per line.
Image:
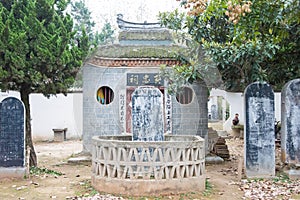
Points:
122	24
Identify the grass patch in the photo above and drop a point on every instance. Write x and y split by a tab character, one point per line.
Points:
254	180
282	177
86	189
208	188
182	196
41	171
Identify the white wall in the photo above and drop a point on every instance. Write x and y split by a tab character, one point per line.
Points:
66	112
236	102
55	112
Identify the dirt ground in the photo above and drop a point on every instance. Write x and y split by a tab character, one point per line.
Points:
52	156
74	183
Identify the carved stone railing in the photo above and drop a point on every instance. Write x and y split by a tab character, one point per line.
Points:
123	166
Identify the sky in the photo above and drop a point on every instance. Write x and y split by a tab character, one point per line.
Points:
132	10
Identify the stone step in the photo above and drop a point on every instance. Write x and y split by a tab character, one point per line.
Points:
221	146
221	149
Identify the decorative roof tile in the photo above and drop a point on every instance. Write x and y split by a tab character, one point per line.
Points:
135	62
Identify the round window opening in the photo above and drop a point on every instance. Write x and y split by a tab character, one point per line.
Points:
105	95
185	96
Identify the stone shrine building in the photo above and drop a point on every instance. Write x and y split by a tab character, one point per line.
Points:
113	73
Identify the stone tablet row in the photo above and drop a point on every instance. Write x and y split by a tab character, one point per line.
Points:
260	130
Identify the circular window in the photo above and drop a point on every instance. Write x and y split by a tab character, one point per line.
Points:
185	96
105	95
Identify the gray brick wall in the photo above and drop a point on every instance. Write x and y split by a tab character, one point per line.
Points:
98	119
191	119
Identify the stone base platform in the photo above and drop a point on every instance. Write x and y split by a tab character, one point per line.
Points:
294	174
137	187
12	172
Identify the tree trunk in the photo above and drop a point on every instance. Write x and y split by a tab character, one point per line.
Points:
29	144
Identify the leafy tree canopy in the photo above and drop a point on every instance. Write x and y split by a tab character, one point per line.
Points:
37	48
38	51
246	40
83	22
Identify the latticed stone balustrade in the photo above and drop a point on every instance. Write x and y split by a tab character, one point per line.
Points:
123	166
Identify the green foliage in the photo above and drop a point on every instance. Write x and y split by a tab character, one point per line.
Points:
106	35
172	20
254	179
41	171
86	189
263	45
82	18
282	177
195	67
179	76
83	24
84	27
37	50
208	188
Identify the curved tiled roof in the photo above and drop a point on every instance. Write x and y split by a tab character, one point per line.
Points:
139	47
135	51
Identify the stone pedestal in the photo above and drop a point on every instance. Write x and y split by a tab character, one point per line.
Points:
238	131
293	174
60	134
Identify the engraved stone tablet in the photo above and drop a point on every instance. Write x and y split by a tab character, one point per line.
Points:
259	131
147	114
12	137
290	123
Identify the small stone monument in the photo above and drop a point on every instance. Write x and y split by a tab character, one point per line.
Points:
12	138
214	112
259	136
147	114
290	124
